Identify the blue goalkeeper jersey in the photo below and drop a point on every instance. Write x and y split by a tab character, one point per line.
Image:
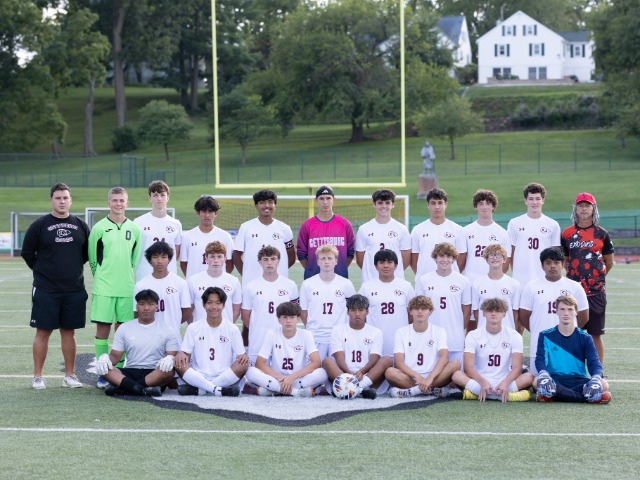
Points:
570	360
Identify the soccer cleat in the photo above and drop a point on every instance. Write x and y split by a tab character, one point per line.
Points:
521	396
71	381
232	391
265	392
368	393
440	392
101	383
38	383
546	385
592	391
305	392
187	389
152	391
112	390
395	392
606	398
469	395
540	398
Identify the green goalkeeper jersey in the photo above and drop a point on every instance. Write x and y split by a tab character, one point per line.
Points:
114	251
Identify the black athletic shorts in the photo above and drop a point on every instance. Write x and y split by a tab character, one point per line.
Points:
136	374
597	307
50	311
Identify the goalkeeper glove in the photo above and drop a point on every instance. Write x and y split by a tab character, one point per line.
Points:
166	364
103	365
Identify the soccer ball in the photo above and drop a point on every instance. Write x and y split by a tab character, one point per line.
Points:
346	386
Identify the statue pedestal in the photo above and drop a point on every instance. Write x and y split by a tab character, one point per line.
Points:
426	181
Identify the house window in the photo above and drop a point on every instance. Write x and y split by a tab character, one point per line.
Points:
536	49
501	50
578	51
539	73
529	30
542	73
508	30
502	73
532	73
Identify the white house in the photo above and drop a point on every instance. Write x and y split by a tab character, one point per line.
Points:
456	37
523	47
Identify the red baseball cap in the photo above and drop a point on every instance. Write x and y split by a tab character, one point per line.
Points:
585	197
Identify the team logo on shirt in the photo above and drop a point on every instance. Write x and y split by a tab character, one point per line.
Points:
454	288
565	292
544	230
315	293
471	236
283	293
338	293
505	291
483	292
170	229
493	238
298	348
448	235
505	345
367	341
63	233
200	338
223	339
392	234
63	236
276	236
540	292
521	229
171	290
430	343
398	293
226	288
425	235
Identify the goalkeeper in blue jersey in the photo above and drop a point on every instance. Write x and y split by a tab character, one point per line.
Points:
567	361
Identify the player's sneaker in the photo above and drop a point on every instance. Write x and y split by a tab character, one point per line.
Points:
71	381
232	391
540	398
546	385
101	383
369	393
152	391
440	392
521	396
395	392
592	391
265	392
112	390
38	383
606	398
187	389
305	392
469	395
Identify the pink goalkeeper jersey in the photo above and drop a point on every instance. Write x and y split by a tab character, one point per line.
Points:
315	233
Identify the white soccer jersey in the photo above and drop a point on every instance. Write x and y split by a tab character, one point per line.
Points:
194	243
174	296
326	304
287	355
420	349
448	295
388	303
507	289
426	235
145	345
262	298
477	238
357	345
539	297
252	236
155	229
530	236
493	352
199	282
374	236
212	350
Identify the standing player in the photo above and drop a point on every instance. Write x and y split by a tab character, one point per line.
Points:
174	303
261	298
288	362
493	359
381	232
323	299
150	348
388	298
451	293
157	226
55	248
258	232
421	356
538	299
215	276
496	284
589	253
436	229
531	233
212	358
356	348
561	356
192	256
481	233
325	228
114	251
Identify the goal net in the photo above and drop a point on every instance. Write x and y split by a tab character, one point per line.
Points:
20	222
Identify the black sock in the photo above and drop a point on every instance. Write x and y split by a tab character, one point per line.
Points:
129	386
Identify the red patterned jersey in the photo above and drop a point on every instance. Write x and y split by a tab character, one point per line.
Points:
584	248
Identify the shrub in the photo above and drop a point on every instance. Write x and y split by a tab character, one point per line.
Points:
124	139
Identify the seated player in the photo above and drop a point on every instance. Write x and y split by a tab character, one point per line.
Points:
212	359
560	359
323	299
356	348
421	356
288	362
150	347
493	359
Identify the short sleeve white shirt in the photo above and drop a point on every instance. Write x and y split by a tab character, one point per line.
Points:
426	235
420	350
506	288
287	355
199	282
194	243
145	345
373	236
477	237
174	296
357	345
493	352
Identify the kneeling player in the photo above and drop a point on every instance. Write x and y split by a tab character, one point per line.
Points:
288	362
150	347
212	358
421	356
560	359
493	359
356	348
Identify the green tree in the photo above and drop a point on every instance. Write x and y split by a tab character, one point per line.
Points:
163	123
243	118
452	119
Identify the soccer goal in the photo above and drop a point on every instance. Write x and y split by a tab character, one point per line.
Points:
92	215
20	222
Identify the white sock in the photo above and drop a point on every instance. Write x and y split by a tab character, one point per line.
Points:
366	382
227	378
196	379
473	386
415	391
315	378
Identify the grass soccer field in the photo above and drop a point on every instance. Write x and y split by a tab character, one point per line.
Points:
81	433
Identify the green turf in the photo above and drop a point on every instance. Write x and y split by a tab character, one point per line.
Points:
453	439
